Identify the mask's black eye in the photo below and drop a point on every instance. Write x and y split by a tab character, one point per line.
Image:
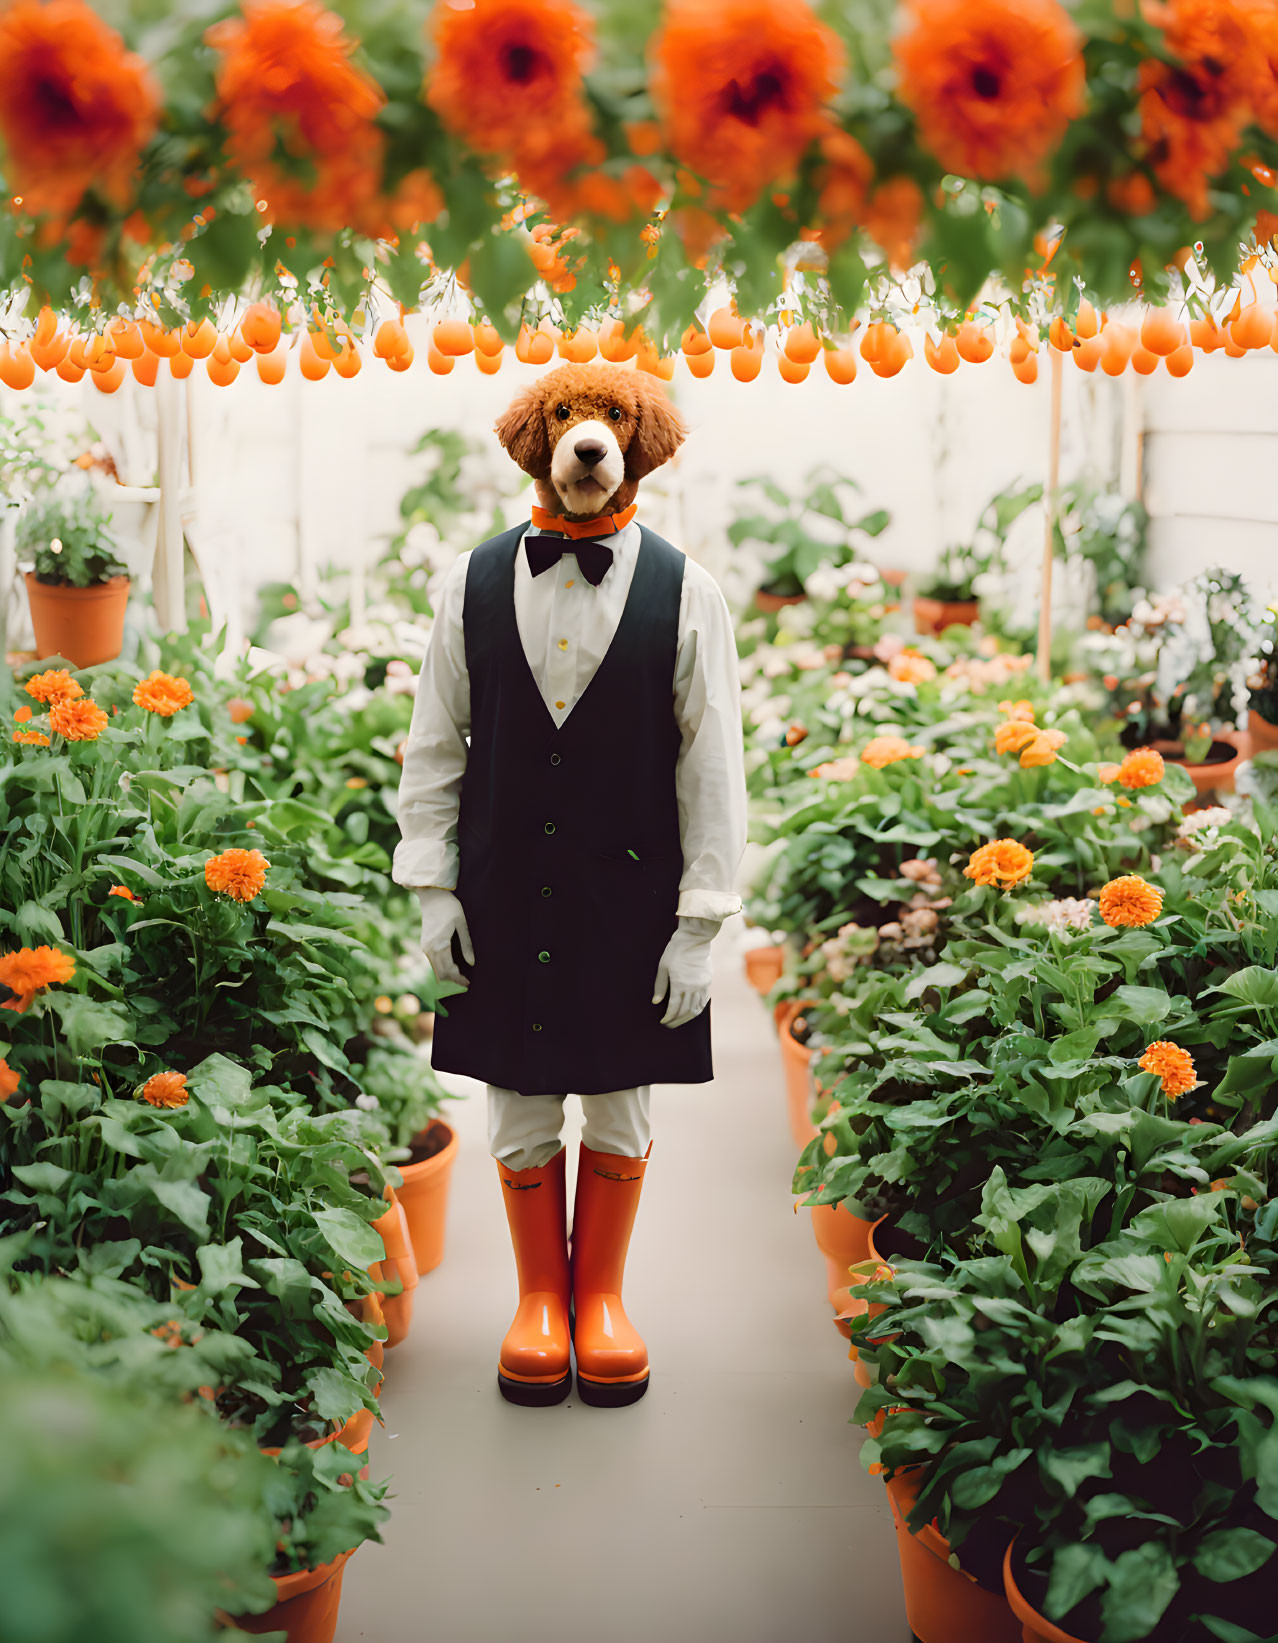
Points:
562	412
614	413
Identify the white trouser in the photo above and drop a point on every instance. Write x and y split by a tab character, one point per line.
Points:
523	1130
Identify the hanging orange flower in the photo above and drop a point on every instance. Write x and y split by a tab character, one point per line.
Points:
9	1080
31	969
162	693
76	108
237	873
843	180
1014	734
1172	1064
54	685
884	750
1190	127
78	718
992	83
122	890
299	114
742	88
1130	901
1142	768
910	667
1220	40
1043	749
893	220
507	80
33	738
165	1090
1003	864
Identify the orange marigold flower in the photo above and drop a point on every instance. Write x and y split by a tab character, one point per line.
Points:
33	738
29	970
1014	734
1043	749
162	693
22	715
1022	709
240	710
1142	768
237	873
1191	126
843	180
122	890
794	735
893	219
54	685
993	84
1108	773
1172	1064
299	114
165	1090
836	770
885	750
76	108
1003	863
742	88
910	667
79	719
1221	41
9	1080
1130	901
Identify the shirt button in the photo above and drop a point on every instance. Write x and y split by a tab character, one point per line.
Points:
545	889
563	644
550	827
560	705
543	957
570	581
555	758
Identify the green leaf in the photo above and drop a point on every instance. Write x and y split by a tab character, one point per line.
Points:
335	1395
1071	1468
222	1265
183	1198
89	1025
354	1240
34	924
1077	1571
1254	985
219	1079
1230	1554
1141	1005
42	1177
936	975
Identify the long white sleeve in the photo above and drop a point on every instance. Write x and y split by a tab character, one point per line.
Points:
710	774
436	751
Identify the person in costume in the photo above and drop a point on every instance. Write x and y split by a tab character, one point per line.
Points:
573	814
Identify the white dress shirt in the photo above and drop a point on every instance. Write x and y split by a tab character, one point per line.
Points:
565	627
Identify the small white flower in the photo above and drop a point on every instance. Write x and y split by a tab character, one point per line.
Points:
367	1103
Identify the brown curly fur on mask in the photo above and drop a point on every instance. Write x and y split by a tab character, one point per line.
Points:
633	408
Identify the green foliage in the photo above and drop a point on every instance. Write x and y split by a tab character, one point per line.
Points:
69	537
805	529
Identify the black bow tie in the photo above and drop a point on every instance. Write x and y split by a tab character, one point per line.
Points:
594	557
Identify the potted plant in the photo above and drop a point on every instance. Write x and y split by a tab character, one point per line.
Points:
947	595
77	584
1108	532
801	530
1262	703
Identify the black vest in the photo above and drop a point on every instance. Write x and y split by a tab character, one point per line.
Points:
570	855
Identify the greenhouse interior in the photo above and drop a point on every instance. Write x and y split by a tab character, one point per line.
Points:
594	592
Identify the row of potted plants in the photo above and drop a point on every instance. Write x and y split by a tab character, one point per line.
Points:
220	1138
1027	1004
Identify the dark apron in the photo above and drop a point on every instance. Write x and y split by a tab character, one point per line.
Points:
570	856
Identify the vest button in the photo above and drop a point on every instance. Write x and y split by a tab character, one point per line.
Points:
550	827
543	957
536	1026
545	889
555	758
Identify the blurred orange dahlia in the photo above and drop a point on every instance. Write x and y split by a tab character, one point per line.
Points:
162	693
29	970
53	685
1003	864
1130	901
1172	1064
1143	767
78	718
237	873
165	1090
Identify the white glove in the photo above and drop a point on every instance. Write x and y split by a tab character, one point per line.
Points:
684	971
442	917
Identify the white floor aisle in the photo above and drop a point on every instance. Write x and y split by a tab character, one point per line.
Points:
729	1506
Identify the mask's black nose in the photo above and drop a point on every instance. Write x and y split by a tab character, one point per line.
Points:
588	452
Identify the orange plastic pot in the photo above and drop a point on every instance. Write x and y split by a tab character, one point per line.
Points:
844	1239
1034	1627
1221	776
796	1060
763	965
306	1604
86	625
942	1604
399	1263
935	615
1262	734
424	1195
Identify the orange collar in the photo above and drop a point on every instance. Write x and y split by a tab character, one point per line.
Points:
606	525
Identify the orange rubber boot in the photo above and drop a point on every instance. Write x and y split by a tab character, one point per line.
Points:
534	1366
612	1360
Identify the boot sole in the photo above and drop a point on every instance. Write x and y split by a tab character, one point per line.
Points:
534	1394
610	1394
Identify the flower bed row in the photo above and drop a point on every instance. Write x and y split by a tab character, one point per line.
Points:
1034	983
208	1078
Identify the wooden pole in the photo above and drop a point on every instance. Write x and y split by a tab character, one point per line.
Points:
1049	520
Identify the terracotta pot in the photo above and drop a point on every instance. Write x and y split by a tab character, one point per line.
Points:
1263	735
844	1239
399	1263
796	1060
769	603
424	1196
1034	1627
763	967
86	625
942	1604
1220	776
935	615
306	1605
